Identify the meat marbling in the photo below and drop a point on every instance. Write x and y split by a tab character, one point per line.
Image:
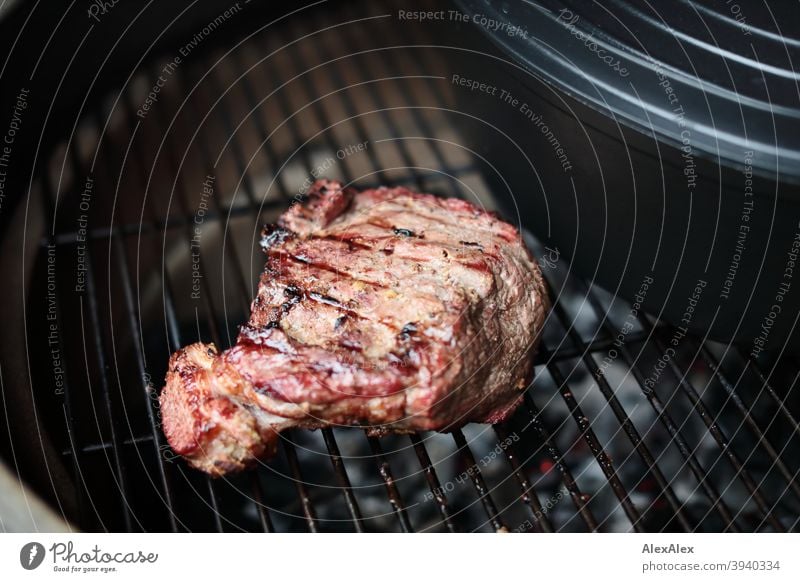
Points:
384	308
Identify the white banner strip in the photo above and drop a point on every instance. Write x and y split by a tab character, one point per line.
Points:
397	557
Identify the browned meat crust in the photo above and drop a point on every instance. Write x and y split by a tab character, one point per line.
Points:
384	308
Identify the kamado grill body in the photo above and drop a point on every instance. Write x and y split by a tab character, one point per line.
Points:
142	182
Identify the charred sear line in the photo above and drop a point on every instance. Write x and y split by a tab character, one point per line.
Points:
272	235
350	311
304	260
300	258
351	344
294	295
389	249
293	292
326	299
408	330
348	240
406	233
438	220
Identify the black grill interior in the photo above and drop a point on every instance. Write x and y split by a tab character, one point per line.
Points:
167	263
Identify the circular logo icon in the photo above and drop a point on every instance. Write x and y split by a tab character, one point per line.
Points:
31	555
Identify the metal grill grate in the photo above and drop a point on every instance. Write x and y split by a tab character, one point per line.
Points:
591	449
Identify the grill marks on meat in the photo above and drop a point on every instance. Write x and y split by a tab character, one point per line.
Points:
384	308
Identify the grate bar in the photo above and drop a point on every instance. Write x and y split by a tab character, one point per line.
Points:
717	433
666	419
133	318
767	385
700	474
350	112
381	107
107	445
433	480
625	422
157	225
254	115
387	56
578	498
319	113
212	494
302	491
391	488
716	368
287	443
229	128
541	523
694	466
225	115
344	480
596	448
258	499
478	482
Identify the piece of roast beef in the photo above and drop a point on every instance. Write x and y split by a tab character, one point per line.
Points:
384	308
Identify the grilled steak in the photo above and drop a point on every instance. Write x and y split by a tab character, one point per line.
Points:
384	308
